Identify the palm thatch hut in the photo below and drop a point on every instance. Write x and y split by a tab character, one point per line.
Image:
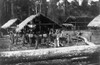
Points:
42	23
9	25
94	27
80	22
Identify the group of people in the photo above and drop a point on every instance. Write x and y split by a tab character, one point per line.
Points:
55	38
51	39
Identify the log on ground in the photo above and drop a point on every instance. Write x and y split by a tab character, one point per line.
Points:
46	54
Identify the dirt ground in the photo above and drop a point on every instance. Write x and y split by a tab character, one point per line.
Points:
5	44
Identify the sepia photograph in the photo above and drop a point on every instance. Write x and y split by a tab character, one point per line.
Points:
49	32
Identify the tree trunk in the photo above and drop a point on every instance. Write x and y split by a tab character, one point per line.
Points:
46	54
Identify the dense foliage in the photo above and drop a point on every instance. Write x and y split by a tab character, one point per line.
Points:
57	10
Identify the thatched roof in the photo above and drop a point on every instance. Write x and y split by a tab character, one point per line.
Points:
80	22
95	22
24	23
9	23
38	20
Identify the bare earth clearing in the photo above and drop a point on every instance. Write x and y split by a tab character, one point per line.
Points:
5	43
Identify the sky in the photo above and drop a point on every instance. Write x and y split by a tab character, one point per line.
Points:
95	0
73	0
79	1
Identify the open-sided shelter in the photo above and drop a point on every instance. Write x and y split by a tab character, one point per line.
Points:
10	24
80	22
94	27
42	23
